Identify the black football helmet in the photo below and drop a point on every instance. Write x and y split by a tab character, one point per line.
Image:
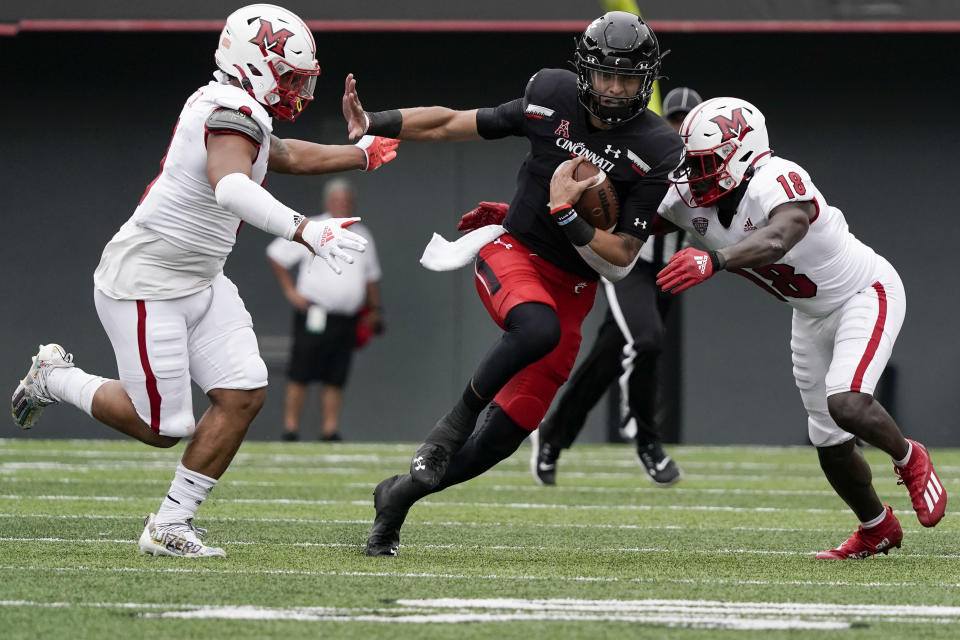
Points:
621	44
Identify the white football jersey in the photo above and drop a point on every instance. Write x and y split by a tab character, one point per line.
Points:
820	273
178	239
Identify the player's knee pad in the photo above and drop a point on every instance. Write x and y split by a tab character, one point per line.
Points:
534	329
255	371
823	431
178	424
526	410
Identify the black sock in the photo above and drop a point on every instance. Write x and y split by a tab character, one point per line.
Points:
495	440
453	429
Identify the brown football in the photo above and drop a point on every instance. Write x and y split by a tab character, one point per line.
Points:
598	205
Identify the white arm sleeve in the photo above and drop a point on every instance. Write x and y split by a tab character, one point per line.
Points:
253	204
608	270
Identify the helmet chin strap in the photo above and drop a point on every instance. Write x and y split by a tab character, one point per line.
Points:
614	115
622	114
727	203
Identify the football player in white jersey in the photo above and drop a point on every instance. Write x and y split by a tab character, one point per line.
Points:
762	217
171	314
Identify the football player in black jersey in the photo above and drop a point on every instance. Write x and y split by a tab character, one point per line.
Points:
627	350
538	281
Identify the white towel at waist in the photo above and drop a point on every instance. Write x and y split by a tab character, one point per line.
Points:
442	255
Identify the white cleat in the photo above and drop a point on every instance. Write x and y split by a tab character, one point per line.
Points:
31	397
178	539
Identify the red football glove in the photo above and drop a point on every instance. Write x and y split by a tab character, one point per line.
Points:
485	214
685	269
378	151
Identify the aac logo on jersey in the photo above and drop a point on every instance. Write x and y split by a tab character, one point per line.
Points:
700	224
269	40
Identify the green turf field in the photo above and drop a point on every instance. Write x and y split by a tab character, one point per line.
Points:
728	552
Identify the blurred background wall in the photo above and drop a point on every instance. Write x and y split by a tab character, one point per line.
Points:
86	117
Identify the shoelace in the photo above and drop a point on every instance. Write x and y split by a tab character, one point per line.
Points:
39	383
903	475
182	529
199	531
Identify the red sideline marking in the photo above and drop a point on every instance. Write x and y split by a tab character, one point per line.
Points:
152	392
501	26
874	341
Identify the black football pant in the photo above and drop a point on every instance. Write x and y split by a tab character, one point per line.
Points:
640	306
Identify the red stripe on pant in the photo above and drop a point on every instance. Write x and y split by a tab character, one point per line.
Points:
874	341
153	393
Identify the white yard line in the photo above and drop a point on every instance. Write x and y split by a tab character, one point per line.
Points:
207	570
440	503
13	468
531	488
357	545
469	523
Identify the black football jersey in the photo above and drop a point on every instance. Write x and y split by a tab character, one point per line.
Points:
637	156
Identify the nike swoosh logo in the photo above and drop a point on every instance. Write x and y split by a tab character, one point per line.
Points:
663	463
543	466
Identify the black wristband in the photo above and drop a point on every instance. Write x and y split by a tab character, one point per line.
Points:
578	231
385	123
716	261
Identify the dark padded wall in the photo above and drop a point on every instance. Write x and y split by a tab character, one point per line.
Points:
86	118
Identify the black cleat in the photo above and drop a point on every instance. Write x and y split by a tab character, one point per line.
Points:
384	538
429	465
543	460
660	468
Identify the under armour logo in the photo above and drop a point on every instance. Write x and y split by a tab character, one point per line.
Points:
610	149
505	244
637	222
418	464
580	287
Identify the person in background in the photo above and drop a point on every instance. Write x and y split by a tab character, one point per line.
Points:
327	310
628	345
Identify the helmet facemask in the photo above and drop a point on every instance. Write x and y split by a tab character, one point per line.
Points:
293	90
617	60
706	173
613	94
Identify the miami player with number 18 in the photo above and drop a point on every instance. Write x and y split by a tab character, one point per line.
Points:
761	216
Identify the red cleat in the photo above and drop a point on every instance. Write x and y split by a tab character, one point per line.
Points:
867	542
926	491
